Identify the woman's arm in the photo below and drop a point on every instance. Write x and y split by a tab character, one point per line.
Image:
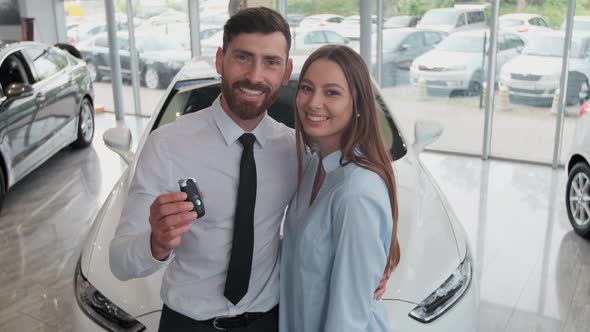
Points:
362	225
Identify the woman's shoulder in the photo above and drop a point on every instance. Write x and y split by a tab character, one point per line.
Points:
363	181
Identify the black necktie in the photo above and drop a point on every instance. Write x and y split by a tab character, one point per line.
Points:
240	263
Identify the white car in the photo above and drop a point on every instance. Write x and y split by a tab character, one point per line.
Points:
523	23
577	193
453	19
434	288
580	23
535	74
321	20
308	39
458	62
350	27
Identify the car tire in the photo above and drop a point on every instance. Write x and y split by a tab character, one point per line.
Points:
577	200
574	88
93	71
152	78
475	85
85	125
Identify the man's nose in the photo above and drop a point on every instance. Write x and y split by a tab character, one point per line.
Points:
255	74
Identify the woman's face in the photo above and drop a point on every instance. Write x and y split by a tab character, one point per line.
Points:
324	104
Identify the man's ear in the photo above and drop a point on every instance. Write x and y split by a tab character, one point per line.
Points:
288	70
219	61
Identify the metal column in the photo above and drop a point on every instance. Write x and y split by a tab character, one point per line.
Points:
115	62
134	57
379	69
571	7
60	21
366	9
489	107
195	27
282	7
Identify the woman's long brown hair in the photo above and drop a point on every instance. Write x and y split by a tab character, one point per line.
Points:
362	133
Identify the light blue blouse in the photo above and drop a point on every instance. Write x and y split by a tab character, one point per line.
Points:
334	251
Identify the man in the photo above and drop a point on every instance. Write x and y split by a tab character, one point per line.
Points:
222	268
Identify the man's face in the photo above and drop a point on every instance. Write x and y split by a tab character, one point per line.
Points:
253	68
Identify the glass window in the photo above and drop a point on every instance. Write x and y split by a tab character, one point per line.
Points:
514	41
46	63
12	70
462	43
432	38
335	20
315	37
414	41
460	20
502	43
334	38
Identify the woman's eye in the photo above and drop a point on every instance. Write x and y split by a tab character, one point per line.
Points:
305	88
332	93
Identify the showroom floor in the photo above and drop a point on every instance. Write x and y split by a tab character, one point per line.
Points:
533	270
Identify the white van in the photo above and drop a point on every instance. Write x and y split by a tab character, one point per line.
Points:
458	18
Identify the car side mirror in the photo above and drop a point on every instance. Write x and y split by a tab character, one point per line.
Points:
16	90
404	47
119	141
426	132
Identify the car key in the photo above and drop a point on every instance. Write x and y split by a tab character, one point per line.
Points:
189	186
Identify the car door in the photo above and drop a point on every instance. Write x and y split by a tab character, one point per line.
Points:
100	54
125	56
16	113
55	93
313	40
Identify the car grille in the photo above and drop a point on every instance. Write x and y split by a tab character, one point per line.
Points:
529	77
424	68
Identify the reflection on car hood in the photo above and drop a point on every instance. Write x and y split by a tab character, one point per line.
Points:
533	64
429	249
445	59
167	55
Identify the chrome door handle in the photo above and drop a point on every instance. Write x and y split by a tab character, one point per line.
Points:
40	97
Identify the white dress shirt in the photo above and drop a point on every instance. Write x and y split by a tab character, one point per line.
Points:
204	145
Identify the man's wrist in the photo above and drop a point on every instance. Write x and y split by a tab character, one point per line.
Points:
158	253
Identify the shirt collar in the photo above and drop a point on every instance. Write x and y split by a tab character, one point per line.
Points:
231	131
331	162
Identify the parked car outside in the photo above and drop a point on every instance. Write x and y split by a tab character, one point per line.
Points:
434	288
401	22
400	48
458	62
309	39
580	23
453	19
350	27
577	192
533	76
321	20
88	30
46	104
179	32
159	58
523	23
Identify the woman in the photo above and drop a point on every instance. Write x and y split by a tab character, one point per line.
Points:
341	226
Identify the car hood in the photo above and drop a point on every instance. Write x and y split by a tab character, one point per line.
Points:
533	64
176	55
432	244
436	27
445	59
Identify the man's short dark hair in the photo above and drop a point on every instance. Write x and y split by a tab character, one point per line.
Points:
256	20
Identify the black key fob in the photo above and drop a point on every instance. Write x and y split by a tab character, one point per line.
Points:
189	186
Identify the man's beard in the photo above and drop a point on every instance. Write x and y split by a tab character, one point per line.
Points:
247	110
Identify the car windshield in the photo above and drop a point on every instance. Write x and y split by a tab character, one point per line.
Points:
399	21
439	18
510	22
462	43
192	96
552	46
392	39
154	43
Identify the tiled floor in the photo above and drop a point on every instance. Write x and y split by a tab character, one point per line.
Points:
534	272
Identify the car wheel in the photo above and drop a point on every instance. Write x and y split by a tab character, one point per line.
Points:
573	90
152	78
93	71
577	198
85	125
475	87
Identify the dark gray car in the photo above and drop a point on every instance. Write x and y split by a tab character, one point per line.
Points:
46	104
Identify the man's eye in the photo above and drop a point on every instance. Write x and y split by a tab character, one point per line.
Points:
242	57
272	62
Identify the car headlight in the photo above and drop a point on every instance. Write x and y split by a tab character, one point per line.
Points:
414	66
455	68
447	294
100	309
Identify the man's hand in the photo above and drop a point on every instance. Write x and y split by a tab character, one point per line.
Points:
382	287
170	218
